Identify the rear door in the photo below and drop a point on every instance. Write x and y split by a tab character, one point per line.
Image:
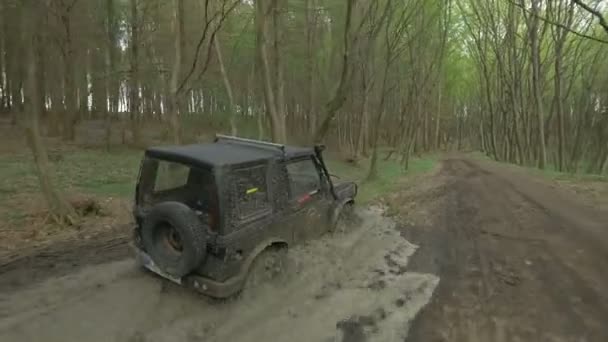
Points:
249	208
307	198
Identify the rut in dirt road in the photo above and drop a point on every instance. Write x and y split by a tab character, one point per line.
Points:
518	261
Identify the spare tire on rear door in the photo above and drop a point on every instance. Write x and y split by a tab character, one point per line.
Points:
174	237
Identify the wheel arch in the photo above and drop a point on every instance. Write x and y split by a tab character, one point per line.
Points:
270	243
338	208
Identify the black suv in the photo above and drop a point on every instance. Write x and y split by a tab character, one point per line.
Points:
207	213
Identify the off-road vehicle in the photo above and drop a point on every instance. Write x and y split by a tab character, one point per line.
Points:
208	214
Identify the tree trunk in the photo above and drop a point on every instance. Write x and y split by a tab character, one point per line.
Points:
277	122
363	140
70	117
83	85
232	106
173	106
59	208
311	114
558	106
4	100
373	167
280	78
559	37
482	138
536	86
438	120
111	107
604	165
492	133
340	95
41	72
134	100
425	130
14	57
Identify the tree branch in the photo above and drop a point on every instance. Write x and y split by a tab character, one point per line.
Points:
222	14
594	12
551	22
222	18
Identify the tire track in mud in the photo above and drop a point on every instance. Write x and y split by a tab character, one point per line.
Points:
510	273
29	267
349	286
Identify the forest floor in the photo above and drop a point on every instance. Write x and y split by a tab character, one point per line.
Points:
470	251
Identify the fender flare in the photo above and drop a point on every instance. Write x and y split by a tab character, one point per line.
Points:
267	243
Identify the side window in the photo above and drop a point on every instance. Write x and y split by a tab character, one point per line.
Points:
303	178
251	191
170	176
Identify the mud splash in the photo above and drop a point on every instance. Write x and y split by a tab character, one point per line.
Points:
350	286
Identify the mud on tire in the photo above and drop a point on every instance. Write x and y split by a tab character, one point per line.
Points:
174	237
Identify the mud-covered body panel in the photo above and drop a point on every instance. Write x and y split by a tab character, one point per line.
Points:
271	197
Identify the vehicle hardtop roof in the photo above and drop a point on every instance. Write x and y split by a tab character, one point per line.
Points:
227	151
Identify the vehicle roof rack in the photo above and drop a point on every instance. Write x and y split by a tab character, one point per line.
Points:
281	147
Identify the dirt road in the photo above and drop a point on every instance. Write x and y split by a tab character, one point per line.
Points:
500	256
518	259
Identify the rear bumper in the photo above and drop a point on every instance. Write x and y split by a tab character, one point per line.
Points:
214	288
199	283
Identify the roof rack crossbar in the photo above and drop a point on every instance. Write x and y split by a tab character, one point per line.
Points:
249	141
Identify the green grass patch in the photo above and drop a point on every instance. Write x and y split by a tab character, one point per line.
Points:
87	171
390	172
552	173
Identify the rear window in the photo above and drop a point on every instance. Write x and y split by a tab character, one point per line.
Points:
163	180
251	191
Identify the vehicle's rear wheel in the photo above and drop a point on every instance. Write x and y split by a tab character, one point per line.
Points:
174	237
269	266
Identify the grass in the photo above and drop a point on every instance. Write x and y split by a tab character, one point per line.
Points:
551	172
82	171
390	173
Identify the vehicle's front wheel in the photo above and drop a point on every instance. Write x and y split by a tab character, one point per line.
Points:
346	218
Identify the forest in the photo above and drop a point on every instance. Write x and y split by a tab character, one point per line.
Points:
524	81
